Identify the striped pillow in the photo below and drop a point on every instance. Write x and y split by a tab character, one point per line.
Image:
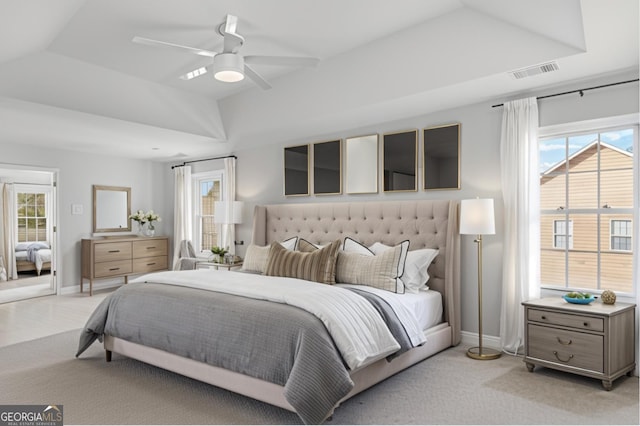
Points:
255	259
318	266
379	271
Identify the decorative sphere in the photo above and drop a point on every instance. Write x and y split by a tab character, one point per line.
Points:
608	297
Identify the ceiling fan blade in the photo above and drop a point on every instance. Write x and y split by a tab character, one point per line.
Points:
295	61
195	73
194	50
249	72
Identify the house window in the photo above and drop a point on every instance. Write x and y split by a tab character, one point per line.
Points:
621	235
561	238
208	190
32	216
587	202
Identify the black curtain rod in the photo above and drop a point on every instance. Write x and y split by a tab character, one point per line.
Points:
581	91
204	159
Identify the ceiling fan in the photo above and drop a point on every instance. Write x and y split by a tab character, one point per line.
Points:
229	65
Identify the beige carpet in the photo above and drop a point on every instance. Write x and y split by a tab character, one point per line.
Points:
448	388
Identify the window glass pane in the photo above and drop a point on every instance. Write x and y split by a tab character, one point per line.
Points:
583	190
209	194
616	264
581	152
553	192
583	270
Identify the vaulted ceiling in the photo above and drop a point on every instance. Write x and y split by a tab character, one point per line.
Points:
71	77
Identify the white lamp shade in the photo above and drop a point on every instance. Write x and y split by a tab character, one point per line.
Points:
228	212
228	67
476	217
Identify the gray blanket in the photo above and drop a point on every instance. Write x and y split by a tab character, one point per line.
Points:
274	342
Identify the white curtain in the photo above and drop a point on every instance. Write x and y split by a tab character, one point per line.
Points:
182	214
520	191
228	230
9	237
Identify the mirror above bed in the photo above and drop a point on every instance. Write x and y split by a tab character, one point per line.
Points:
111	208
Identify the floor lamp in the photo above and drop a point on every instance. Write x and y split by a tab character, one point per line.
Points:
477	218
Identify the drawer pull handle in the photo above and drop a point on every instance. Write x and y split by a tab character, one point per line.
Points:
114	251
543	317
114	269
586	324
150	248
151	264
560	359
563	342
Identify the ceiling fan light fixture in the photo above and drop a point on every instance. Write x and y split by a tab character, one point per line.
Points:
228	67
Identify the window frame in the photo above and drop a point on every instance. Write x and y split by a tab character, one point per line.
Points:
197	179
603	125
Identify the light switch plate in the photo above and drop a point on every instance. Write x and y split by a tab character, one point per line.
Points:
76	209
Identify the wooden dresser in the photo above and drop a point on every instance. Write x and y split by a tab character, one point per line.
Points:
594	340
109	257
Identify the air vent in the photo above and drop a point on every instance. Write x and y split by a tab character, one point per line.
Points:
535	70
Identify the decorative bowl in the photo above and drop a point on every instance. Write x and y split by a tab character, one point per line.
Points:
578	301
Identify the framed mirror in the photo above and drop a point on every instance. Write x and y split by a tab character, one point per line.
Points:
296	170
111	208
441	157
362	164
400	161
327	167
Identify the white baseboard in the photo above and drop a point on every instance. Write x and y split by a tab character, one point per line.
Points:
471	339
103	284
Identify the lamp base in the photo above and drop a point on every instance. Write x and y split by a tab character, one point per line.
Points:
483	353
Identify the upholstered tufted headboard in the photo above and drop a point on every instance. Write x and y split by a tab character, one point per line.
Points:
425	223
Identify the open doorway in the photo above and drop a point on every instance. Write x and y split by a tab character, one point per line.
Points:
28	225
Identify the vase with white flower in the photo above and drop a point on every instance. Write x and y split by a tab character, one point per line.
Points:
140	217
152	217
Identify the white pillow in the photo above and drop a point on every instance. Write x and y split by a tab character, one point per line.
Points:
255	259
416	275
352	246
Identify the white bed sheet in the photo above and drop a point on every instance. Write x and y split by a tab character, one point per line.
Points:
426	305
44	254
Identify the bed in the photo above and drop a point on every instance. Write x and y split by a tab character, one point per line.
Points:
424	223
33	256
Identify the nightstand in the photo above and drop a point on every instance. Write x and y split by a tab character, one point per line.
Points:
594	340
216	266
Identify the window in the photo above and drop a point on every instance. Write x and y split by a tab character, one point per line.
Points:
560	235
621	235
32	216
587	202
208	190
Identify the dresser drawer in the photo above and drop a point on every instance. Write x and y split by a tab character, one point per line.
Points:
566	320
571	348
149	264
113	268
150	248
112	251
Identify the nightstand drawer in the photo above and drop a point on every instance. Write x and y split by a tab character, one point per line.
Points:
112	269
149	264
571	348
566	320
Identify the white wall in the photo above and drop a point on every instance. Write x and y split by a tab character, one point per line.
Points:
260	174
77	172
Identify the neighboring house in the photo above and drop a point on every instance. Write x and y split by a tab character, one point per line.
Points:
574	235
